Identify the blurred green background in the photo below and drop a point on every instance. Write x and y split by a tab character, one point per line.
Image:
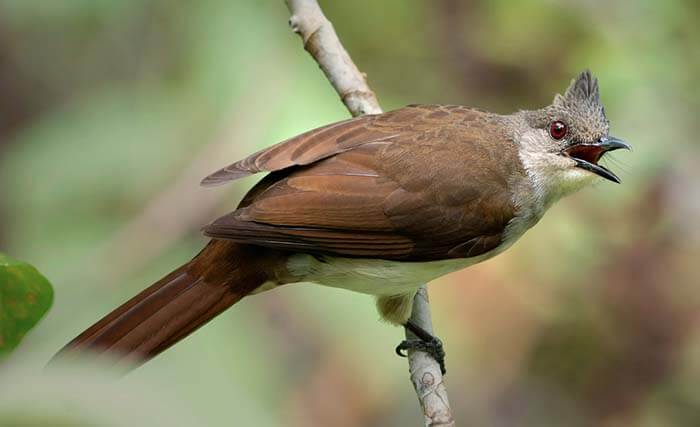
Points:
111	111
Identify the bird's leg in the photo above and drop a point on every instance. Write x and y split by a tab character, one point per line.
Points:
426	342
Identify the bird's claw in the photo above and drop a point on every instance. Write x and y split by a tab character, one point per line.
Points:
432	346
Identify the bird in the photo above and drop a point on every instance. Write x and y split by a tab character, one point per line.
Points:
378	204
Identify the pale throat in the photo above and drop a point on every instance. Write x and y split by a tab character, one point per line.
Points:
551	175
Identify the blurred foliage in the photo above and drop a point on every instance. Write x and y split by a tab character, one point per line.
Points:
84	394
25	297
111	111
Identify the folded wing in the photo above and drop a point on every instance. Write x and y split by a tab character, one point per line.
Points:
410	193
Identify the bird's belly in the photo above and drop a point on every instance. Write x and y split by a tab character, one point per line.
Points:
373	276
384	277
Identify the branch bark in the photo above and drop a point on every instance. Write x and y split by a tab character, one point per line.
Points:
322	43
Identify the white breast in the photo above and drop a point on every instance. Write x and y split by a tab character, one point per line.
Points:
384	277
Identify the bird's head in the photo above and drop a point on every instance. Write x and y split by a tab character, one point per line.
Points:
563	142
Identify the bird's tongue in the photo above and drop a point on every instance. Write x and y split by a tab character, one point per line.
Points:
589	153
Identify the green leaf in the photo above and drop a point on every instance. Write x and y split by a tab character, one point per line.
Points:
25	297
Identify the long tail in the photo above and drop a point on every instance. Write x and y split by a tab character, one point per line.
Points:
175	306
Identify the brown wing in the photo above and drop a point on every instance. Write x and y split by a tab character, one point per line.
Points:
416	196
303	149
323	142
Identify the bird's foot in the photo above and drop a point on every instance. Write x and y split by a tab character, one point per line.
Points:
426	342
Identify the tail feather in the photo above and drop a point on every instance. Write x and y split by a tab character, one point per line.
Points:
178	304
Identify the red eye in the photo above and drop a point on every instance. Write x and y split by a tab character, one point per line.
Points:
557	130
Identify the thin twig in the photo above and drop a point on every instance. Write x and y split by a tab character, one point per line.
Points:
425	372
321	41
323	44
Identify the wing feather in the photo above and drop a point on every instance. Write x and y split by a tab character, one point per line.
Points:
304	149
392	186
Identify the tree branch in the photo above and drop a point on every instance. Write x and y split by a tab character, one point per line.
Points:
321	41
323	44
425	372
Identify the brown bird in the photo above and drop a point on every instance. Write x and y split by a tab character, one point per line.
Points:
377	204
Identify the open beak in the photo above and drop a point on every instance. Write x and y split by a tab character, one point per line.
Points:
587	155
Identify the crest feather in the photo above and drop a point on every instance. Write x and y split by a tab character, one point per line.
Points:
584	88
